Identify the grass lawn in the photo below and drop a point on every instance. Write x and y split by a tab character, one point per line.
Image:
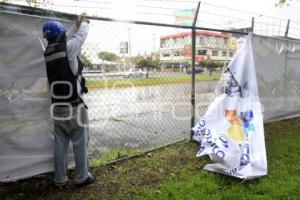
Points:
175	173
130	82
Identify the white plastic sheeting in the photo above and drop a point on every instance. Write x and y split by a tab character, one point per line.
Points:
25	126
262	84
277	65
231	131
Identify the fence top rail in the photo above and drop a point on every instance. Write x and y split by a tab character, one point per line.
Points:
20	9
282	38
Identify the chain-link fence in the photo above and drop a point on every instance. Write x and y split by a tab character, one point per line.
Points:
143	77
139	100
140	92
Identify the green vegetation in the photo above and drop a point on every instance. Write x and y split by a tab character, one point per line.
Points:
147	63
33	3
86	61
130	82
175	173
113	154
281	2
108	56
211	65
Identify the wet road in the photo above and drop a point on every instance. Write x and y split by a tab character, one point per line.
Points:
143	117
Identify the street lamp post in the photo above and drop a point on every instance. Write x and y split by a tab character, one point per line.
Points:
129	47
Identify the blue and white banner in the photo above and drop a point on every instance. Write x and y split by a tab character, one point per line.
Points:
231	132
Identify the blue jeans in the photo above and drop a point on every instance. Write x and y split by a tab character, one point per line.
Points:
75	128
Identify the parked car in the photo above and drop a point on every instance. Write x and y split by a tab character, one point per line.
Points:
133	73
198	70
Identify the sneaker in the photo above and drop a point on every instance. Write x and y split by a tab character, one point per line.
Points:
91	179
59	185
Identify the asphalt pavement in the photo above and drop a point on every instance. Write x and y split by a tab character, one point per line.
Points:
143	117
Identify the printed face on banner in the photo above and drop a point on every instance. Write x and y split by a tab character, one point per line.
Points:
240	124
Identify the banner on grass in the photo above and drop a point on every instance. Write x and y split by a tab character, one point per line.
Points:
231	131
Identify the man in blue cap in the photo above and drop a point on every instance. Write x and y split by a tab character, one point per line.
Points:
67	86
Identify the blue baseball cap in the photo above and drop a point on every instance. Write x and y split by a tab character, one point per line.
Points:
53	29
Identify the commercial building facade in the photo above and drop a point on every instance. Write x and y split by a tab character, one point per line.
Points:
176	49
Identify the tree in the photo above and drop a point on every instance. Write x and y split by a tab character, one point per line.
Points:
32	3
147	63
86	61
282	3
108	56
210	65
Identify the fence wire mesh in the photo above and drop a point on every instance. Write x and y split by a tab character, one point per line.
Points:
140	99
139	77
139	80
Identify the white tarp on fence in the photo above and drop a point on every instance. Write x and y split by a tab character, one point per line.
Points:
277	65
26	140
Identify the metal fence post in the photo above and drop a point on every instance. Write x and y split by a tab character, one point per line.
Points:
286	34
287	28
193	108
252	24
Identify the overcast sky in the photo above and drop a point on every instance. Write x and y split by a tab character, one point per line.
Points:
221	14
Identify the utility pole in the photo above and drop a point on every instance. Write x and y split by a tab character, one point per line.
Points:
153	42
273	27
279	27
129	47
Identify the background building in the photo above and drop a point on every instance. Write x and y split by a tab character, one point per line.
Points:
176	49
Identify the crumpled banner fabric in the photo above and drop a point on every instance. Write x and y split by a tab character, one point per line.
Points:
231	132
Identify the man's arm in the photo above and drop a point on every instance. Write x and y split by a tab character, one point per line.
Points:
71	31
75	42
